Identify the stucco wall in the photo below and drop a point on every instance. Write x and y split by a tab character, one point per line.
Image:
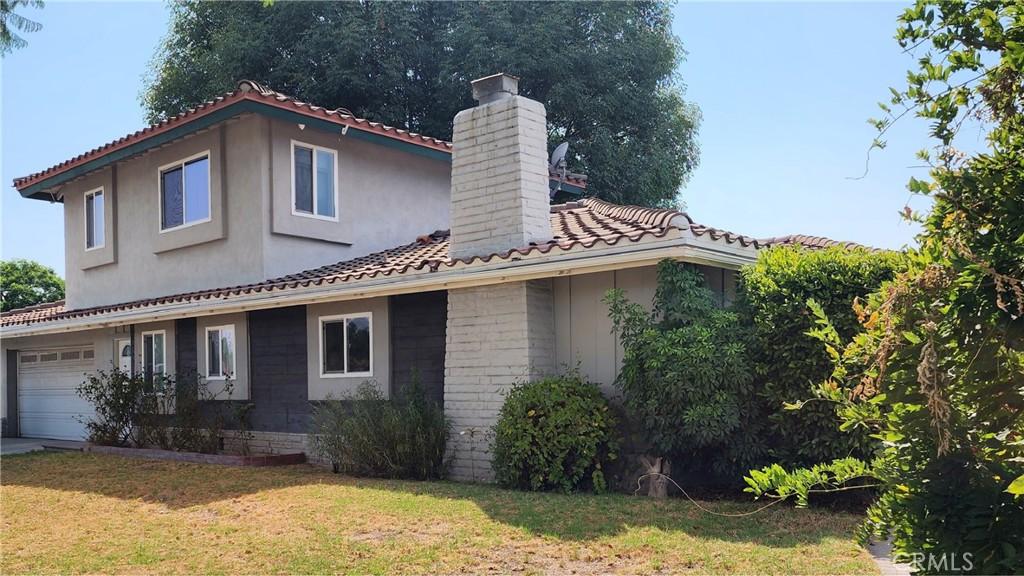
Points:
320	387
145	262
386	198
240	382
583	331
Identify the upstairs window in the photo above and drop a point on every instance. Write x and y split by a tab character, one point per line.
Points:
314	181
220	352
185	192
346	346
94	223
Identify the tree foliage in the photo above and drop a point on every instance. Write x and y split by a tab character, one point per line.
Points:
26	283
938	372
556	433
11	23
604	70
685	375
788	364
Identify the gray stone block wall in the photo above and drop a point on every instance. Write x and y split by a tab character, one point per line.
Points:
499	177
497	336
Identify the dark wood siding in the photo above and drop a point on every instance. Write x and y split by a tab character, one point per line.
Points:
11	420
277	370
417	343
186	352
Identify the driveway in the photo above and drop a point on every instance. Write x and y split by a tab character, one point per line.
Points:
19	445
22	445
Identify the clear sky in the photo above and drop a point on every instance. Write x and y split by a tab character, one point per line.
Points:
785	90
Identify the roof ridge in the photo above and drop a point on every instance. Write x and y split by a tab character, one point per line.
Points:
660	217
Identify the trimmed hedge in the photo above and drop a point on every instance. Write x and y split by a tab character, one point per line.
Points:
773	296
554	434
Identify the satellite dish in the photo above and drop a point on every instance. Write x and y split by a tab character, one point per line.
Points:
558	158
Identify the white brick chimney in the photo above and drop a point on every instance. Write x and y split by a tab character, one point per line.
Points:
500	334
499	171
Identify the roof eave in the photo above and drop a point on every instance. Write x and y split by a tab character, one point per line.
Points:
680	246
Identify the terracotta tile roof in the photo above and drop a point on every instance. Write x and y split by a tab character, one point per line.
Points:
575	226
32	314
253	91
813	242
808	241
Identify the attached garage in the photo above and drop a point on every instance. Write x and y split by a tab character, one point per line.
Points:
48	405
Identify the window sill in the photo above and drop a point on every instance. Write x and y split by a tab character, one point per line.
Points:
346	374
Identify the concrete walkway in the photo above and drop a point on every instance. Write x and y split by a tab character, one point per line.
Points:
23	445
882	553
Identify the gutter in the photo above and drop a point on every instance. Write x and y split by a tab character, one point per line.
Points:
547	266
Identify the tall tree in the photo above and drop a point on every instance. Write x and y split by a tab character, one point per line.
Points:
11	21
606	71
25	283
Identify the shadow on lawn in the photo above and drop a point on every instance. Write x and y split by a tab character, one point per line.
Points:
565	517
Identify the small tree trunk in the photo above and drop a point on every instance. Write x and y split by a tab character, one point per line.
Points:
657	483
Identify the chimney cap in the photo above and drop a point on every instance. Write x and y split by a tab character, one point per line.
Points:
495	87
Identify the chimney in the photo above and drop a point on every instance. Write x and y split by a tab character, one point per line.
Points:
499	171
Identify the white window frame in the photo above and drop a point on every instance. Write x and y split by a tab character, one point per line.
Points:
160	191
234	352
341	318
163	342
334	155
85	219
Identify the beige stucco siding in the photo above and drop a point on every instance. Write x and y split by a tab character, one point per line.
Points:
583	331
386	198
146	262
320	387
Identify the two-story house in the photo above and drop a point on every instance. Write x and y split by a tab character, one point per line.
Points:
301	251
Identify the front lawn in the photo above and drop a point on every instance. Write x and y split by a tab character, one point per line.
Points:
73	512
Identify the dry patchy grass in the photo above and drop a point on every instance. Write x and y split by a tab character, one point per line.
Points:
83	513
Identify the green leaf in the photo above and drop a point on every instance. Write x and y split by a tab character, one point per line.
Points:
1017	486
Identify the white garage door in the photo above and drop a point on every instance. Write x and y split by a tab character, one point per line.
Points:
48	406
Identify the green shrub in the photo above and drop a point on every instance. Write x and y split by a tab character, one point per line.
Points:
685	375
554	434
172	412
366	435
115	397
787	362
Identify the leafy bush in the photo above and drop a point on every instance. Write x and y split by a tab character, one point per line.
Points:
554	434
685	375
787	362
181	413
115	396
171	412
366	435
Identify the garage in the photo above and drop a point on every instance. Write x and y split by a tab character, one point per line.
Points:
48	406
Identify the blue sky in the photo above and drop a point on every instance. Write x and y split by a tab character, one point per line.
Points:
784	89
